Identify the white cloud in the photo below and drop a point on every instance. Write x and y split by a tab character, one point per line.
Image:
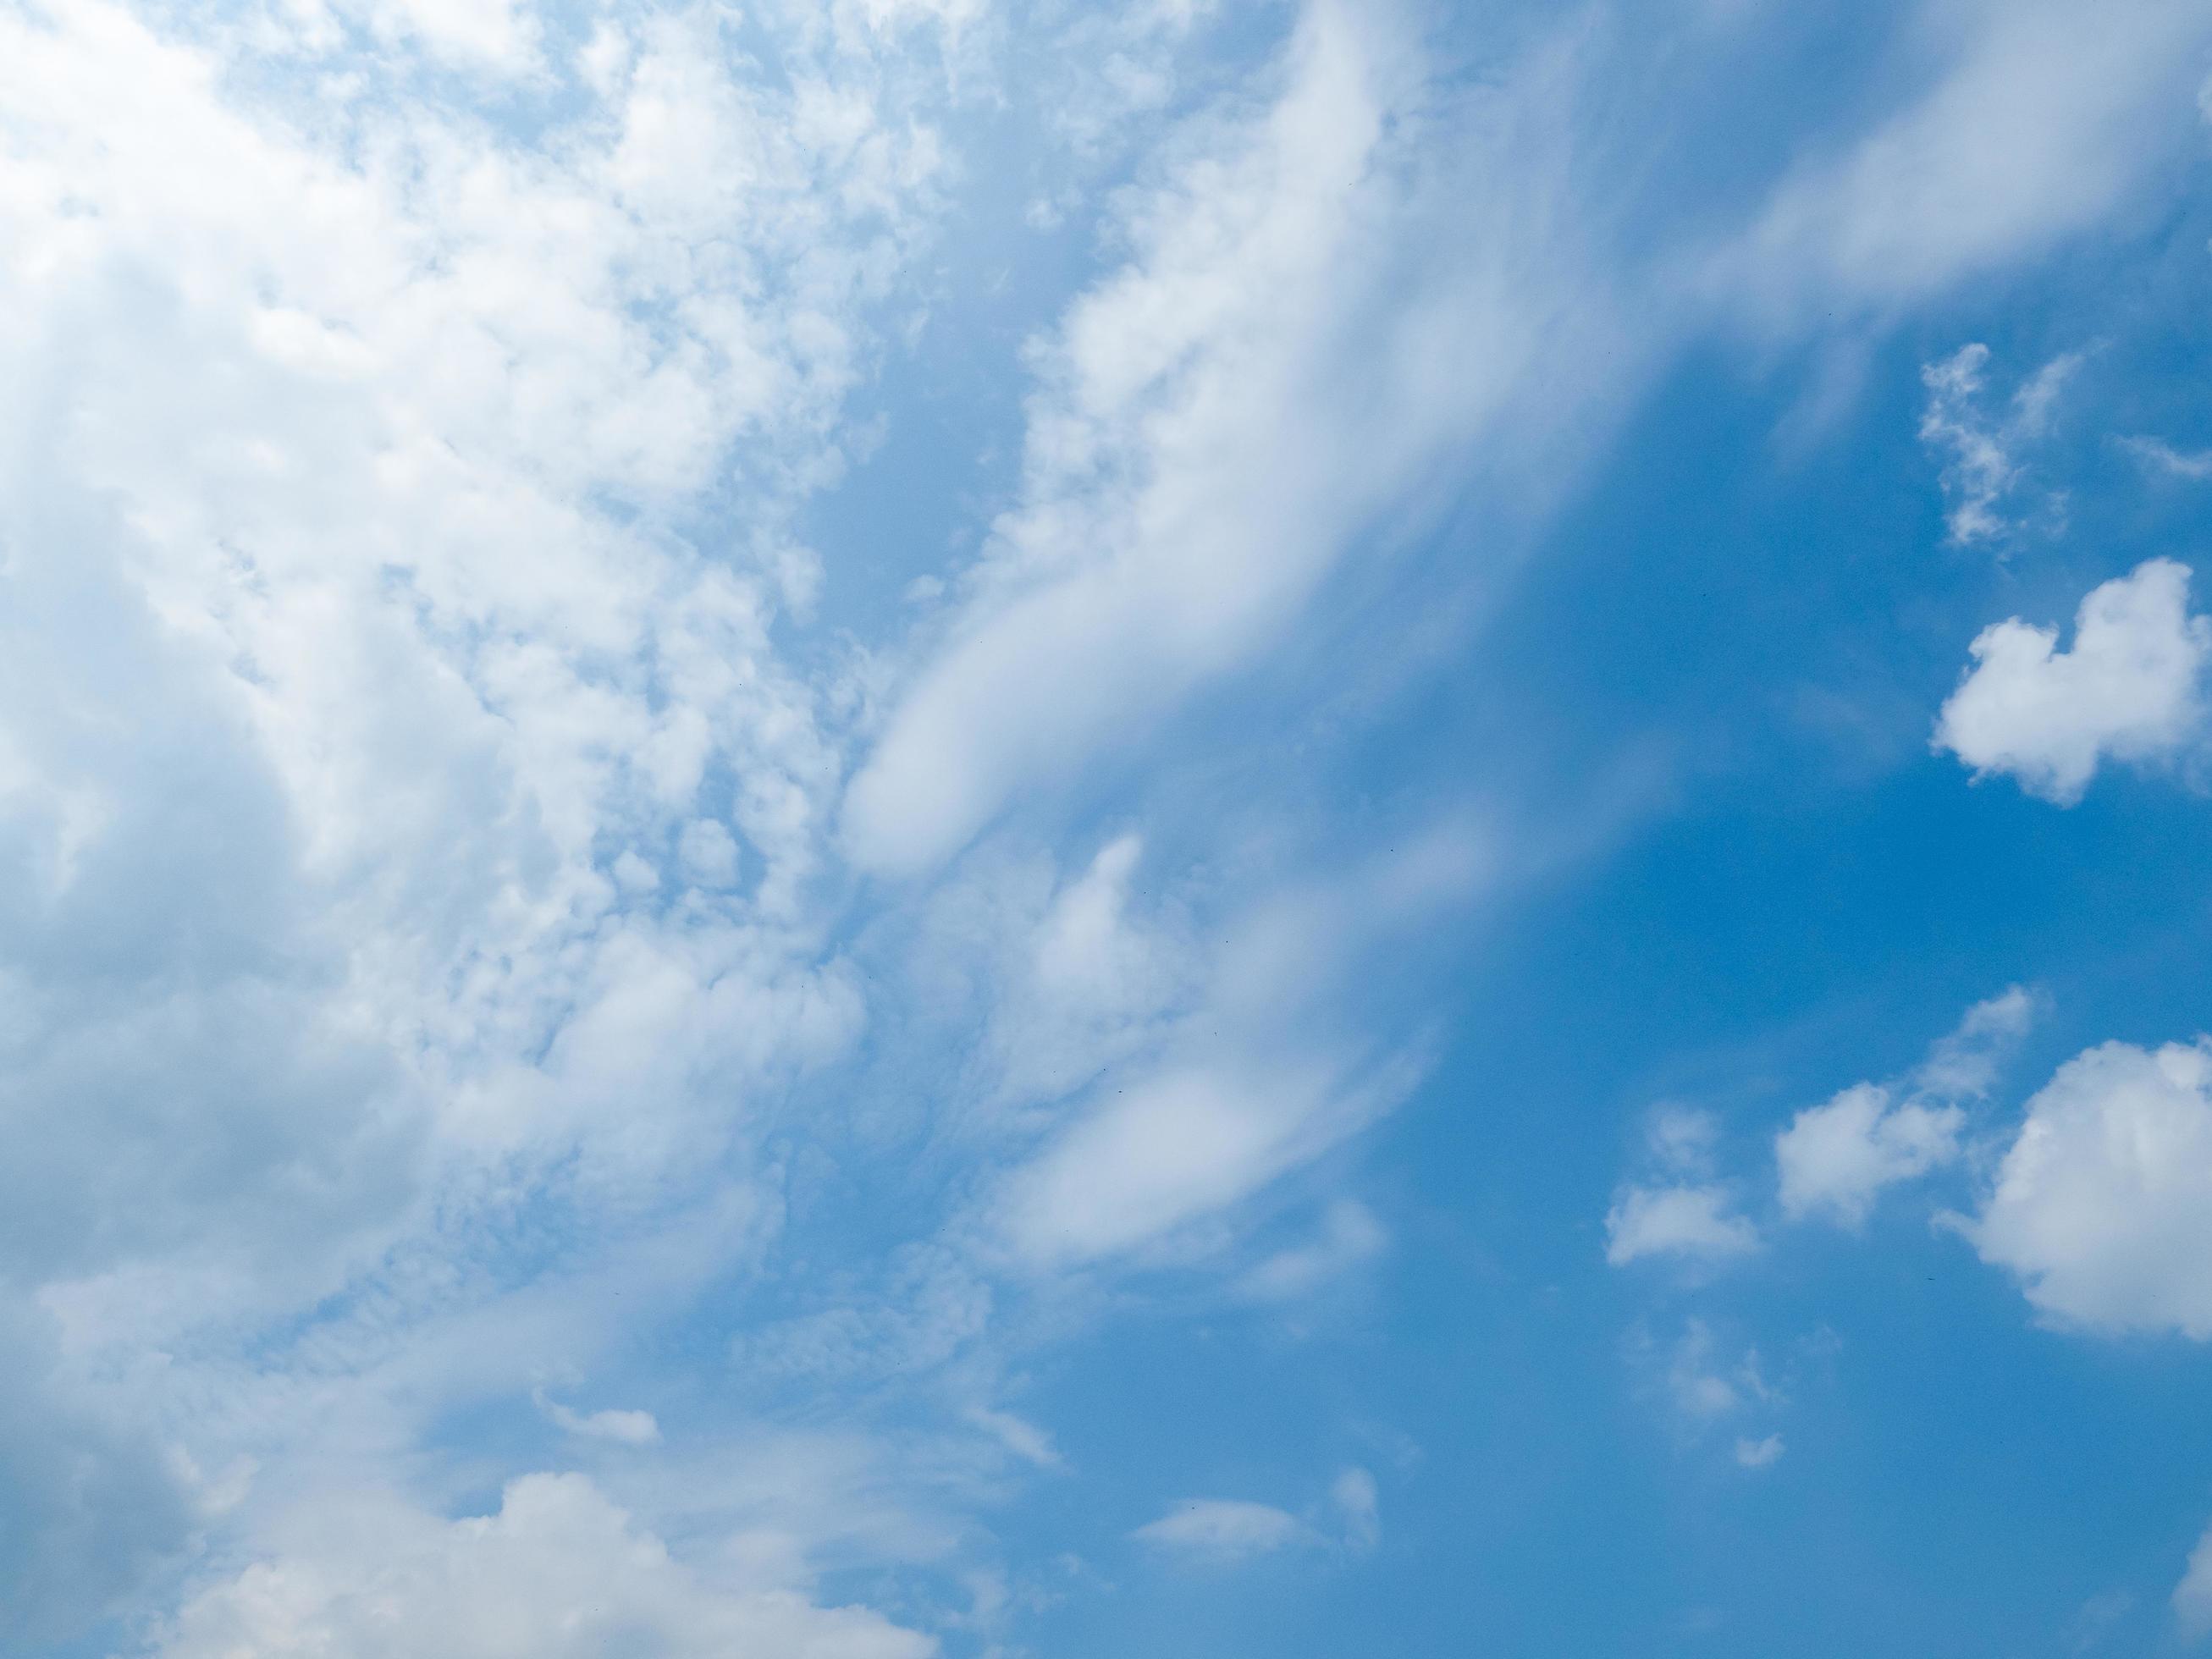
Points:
1255	1077
1175	1145
422	920
628	1428
1702	1391
2192	1597
708	853
2129	689
1222	1530
1360	1504
1682	1138
499	35
1964	1065
1834	1159
1983	470
2037	116
355	681
559	1572
1687	1213
1202	451
2194	466
1020	1436
1760	1454
2102	1206
1691	1221
1350	1236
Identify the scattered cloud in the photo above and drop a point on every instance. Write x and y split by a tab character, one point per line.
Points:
1983	472
1966	1064
1687	1212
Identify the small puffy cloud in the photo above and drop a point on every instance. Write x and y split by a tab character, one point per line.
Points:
1835	1158
1760	1454
2102	1207
559	1573
1223	1530
2130	690
1691	1221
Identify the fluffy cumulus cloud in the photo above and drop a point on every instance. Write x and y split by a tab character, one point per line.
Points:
559	1572
2129	688
2102	1205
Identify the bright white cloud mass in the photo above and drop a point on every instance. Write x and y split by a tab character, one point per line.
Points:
2103	1204
2129	686
797	798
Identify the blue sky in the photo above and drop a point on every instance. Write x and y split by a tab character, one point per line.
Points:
900	828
